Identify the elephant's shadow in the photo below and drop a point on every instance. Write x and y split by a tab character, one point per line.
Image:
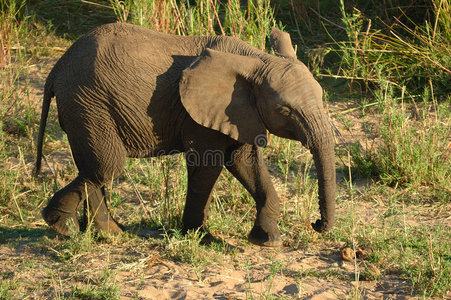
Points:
25	235
23	239
160	234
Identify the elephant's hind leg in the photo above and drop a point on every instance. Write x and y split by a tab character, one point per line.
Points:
96	213
99	156
61	211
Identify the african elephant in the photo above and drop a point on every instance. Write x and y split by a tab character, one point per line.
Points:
126	91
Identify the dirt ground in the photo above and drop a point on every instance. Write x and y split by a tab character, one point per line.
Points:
147	276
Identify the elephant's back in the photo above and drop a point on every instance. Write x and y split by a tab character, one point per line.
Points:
124	77
138	39
121	56
127	50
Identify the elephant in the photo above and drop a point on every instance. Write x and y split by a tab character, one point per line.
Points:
126	91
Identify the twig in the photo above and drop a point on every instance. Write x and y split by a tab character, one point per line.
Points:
327	20
350	77
96	4
51	170
379	50
296	22
437	15
57	48
18	209
341	138
354	108
338	133
217	17
146	212
419	52
139	279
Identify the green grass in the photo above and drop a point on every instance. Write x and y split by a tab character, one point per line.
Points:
407	73
103	288
382	69
411	152
419	252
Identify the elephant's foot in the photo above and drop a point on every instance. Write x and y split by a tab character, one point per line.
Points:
63	222
108	226
207	237
200	229
320	226
265	235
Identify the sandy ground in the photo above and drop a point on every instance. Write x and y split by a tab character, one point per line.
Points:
255	273
169	281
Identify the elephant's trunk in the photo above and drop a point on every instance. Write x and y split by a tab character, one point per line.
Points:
321	144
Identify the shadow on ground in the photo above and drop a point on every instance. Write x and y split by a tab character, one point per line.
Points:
24	235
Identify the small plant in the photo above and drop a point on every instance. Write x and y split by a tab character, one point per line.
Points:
10	26
416	252
426	260
274	268
7	286
104	287
411	152
187	249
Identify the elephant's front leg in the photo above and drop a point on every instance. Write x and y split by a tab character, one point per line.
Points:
247	165
201	180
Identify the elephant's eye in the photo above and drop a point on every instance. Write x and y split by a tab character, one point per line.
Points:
285	110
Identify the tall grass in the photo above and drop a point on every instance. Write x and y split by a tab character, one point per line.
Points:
404	53
11	27
22	41
406	70
15	115
11	30
204	17
415	150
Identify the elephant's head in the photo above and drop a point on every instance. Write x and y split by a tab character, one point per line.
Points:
243	96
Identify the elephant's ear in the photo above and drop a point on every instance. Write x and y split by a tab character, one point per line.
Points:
216	91
281	43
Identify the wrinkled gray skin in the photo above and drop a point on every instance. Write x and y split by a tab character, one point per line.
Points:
125	91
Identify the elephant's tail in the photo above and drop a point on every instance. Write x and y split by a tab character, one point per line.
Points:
48	94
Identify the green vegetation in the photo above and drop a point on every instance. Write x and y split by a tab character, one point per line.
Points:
385	67
201	17
103	288
405	68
